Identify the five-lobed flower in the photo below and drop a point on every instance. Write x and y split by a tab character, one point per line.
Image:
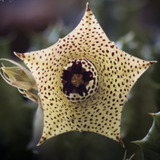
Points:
83	81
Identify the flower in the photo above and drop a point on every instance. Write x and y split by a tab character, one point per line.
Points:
83	81
21	78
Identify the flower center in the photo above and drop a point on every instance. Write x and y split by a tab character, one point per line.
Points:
79	80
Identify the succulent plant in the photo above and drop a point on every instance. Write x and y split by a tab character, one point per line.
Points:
150	144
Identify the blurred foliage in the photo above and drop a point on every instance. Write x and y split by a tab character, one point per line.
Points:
150	144
133	25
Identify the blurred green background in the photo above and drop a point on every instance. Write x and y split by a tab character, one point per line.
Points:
27	25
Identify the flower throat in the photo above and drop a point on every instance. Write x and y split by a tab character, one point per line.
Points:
79	79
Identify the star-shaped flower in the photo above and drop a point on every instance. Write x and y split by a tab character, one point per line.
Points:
83	81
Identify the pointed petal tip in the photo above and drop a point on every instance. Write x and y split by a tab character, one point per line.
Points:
152	62
149	63
17	54
87	7
38	144
121	142
42	140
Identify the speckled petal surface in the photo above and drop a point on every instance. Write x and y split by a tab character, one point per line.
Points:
117	73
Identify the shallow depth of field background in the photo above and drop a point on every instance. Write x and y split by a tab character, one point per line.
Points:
27	25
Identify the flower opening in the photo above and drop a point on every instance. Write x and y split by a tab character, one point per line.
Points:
80	80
